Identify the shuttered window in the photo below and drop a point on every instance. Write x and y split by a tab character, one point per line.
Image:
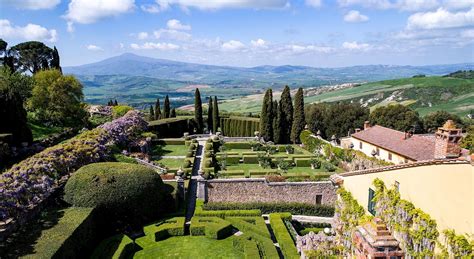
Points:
371	205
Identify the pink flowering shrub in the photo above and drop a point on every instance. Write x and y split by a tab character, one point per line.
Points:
29	182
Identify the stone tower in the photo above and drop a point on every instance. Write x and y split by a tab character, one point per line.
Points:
447	141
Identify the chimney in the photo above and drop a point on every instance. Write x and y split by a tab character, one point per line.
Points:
357	130
366	125
447	141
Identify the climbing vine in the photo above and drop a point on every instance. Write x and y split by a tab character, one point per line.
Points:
457	245
414	229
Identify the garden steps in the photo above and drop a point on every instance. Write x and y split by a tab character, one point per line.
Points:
192	188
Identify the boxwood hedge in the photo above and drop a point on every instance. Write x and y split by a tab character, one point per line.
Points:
292	207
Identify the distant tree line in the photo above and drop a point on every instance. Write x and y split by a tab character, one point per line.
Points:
464	74
156	114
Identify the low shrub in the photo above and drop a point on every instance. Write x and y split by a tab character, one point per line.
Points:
124	159
165	229
190	154
121	191
250	224
250	159
116	247
232	160
292	207
284	239
212	227
200	212
170	141
120	110
232	172
186	164
237	145
328	166
303	162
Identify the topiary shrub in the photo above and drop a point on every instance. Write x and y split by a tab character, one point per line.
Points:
121	191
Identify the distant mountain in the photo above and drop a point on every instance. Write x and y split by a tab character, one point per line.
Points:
137	79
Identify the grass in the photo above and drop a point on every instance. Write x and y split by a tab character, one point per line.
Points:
41	132
191	247
169	150
171	162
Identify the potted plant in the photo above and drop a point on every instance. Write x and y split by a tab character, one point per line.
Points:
289	149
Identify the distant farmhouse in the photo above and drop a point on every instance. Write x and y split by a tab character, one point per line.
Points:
404	147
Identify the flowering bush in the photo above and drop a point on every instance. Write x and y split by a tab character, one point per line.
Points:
29	182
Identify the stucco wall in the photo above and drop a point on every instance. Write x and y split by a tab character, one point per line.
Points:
444	191
383	154
257	190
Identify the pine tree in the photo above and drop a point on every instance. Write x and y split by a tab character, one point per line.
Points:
115	102
173	113
209	115
152	113
266	130
55	61
215	116
198	111
298	117
286	119
276	122
157	109
166	108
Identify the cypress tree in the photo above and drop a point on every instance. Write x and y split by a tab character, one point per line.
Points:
166	108
198	111
209	115
266	130
115	103
286	119
157	109
298	117
276	122
215	116
173	113
55	61
152	113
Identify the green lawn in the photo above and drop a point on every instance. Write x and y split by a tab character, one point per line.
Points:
191	247
169	150
171	162
41	132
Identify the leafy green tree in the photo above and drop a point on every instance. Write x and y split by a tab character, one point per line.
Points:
173	113
198	111
157	109
432	121
215	116
397	117
32	56
55	60
266	123
298	117
57	99
209	114
14	88
152	113
468	141
166	107
286	115
6	59
277	114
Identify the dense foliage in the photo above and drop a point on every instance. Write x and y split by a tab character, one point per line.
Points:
398	117
298	117
210	119
157	109
239	126
31	56
215	116
286	116
266	123
270	207
468	141
432	121
198	112
124	191
31	181
166	108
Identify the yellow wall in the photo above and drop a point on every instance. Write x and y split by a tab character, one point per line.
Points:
444	191
383	154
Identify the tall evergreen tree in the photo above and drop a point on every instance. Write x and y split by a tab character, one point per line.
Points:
209	115
55	61
298	117
266	129
198	111
173	113
157	109
152	113
215	116
115	102
166	108
286	119
277	137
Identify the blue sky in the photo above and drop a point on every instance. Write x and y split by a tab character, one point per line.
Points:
319	33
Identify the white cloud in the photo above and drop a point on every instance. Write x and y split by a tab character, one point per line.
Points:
151	8
355	16
174	24
313	3
259	43
468	33
441	19
458	4
92	47
233	45
153	45
355	46
298	49
405	5
172	35
142	35
28	32
31	4
70	27
213	5
87	11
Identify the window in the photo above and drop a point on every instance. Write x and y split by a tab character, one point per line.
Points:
377	151
319	199
360	145
390	156
371	204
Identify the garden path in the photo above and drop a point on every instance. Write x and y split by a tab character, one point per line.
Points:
192	188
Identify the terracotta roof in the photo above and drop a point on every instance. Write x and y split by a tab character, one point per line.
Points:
416	147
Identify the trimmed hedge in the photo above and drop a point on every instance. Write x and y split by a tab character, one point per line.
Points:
283	238
129	192
238	145
232	160
239	126
252	224
302	162
250	159
232	172
200	212
263	171
212	227
172	127
170	141
165	229
116	247
71	237
292	207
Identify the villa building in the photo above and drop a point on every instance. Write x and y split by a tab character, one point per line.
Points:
404	147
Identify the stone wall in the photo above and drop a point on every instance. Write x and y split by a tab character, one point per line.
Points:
259	190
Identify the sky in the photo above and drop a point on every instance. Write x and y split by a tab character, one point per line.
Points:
318	33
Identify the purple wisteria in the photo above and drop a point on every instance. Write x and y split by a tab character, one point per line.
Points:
29	182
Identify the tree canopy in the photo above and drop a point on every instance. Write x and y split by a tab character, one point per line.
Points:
286	119
397	117
298	117
266	127
198	111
